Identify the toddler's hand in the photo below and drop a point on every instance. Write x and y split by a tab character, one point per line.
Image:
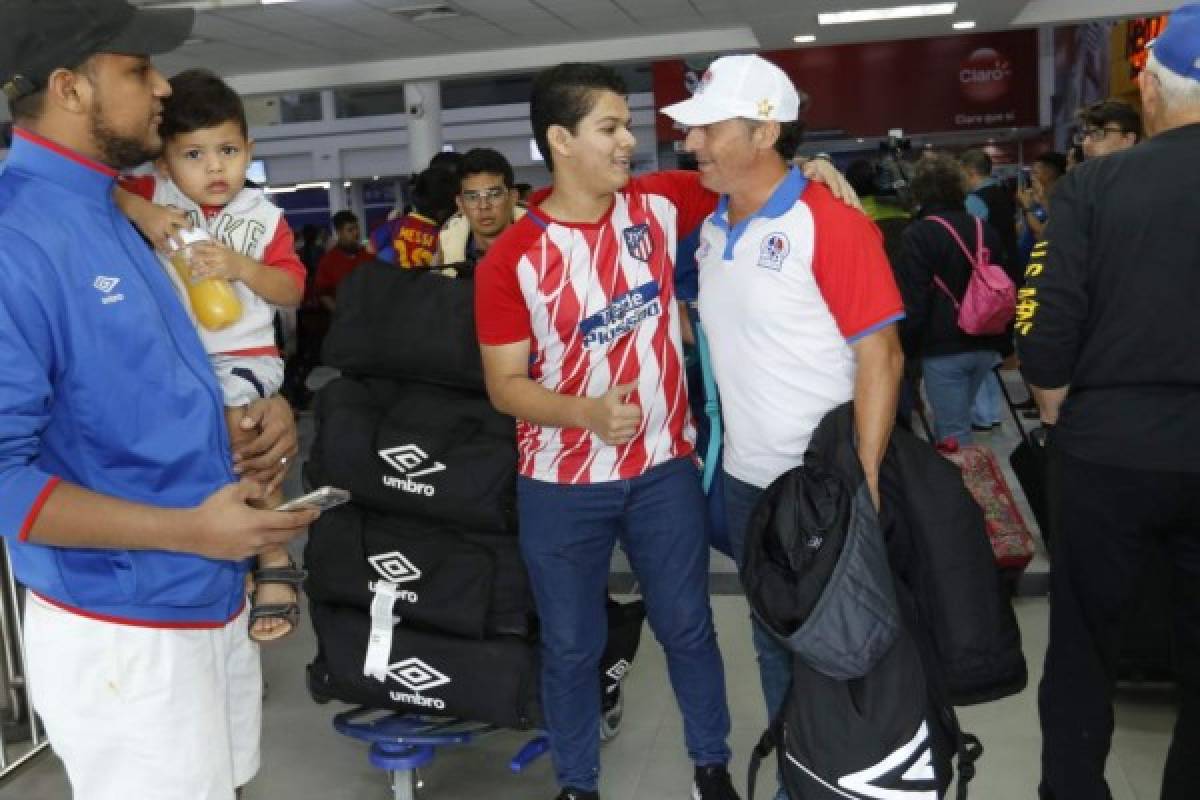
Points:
161	225
213	260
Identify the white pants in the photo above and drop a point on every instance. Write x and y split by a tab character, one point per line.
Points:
151	713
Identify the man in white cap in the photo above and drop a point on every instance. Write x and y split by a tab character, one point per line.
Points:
1106	330
796	294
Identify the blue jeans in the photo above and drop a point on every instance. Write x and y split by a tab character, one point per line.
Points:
567	537
774	660
985	411
951	383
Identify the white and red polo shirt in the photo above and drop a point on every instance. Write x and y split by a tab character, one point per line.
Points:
597	304
783	295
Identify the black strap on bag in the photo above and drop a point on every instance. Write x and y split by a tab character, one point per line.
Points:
766	745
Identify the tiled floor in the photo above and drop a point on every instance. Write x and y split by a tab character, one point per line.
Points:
305	759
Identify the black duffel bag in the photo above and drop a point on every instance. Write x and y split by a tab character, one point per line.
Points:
491	680
405	323
417	450
447	580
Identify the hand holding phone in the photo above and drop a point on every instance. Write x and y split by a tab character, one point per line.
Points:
322	499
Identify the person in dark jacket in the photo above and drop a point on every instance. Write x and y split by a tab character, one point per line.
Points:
953	363
1107	331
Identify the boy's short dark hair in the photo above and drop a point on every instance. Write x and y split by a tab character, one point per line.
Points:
344	218
563	95
1112	112
485	160
199	99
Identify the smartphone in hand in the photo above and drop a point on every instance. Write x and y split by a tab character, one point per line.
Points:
322	499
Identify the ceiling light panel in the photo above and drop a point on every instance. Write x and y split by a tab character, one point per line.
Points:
885	14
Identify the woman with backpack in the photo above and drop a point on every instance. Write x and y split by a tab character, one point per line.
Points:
958	303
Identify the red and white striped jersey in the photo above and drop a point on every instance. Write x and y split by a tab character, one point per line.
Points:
597	304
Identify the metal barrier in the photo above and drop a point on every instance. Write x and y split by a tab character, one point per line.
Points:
21	734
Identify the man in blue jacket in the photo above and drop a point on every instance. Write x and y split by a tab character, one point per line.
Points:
118	497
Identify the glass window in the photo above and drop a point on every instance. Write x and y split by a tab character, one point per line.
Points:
369	101
300	107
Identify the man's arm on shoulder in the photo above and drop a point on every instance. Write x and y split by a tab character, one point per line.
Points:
1052	306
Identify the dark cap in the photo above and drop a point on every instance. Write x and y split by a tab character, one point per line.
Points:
40	36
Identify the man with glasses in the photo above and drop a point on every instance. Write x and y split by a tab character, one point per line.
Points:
1108	127
487	204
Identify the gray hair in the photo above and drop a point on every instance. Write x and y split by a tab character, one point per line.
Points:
1178	92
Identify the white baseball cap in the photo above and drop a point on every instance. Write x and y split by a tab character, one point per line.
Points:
739	86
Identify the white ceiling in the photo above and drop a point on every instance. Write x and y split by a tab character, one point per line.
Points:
318	43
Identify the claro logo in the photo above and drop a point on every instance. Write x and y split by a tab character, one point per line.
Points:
985	76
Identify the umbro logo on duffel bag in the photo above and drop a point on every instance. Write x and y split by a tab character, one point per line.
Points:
395	567
417	676
405	459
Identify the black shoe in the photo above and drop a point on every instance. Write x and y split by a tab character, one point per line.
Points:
712	783
577	794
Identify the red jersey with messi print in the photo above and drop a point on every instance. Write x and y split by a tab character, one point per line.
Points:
597	304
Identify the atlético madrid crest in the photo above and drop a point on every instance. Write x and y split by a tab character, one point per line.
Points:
639	242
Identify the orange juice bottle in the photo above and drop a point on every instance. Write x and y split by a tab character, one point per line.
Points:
213	300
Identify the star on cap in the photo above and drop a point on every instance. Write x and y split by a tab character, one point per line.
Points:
765	107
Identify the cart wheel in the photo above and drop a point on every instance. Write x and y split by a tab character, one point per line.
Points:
610	719
404	784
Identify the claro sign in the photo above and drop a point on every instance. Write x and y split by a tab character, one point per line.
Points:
985	76
948	83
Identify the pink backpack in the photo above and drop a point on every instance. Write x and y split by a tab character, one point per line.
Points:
990	301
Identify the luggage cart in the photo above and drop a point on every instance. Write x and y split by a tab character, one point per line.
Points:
21	735
402	744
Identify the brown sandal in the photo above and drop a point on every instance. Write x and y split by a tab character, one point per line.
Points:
291	575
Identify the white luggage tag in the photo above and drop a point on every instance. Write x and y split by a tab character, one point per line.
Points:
379	645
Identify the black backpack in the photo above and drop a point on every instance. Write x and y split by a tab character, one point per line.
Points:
940	555
880	723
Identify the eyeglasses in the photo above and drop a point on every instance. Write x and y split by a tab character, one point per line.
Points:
1096	134
493	195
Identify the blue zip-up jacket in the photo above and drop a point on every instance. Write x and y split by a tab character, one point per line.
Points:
103	383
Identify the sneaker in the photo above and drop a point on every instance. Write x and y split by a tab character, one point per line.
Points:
577	794
713	783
